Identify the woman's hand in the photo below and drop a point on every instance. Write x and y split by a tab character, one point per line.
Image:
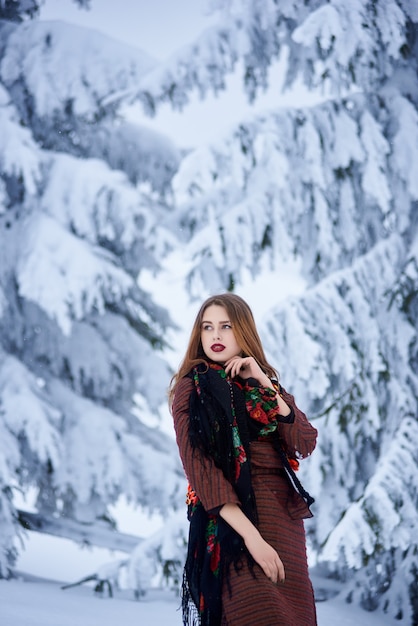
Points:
261	551
246	367
266	557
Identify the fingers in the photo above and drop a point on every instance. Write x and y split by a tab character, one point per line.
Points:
281	573
275	571
234	366
266	557
273	566
240	365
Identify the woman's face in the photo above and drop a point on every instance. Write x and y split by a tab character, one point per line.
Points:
217	336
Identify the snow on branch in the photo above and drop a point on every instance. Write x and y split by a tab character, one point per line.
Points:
95	202
86	534
340	310
337	44
81	278
106	454
29	436
19	155
68	69
28	415
329	172
382	526
163	554
342	339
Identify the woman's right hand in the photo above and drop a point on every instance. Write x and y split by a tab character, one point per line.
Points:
266	557
261	551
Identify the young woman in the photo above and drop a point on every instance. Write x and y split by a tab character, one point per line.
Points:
240	435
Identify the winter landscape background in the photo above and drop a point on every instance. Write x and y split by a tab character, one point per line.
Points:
148	158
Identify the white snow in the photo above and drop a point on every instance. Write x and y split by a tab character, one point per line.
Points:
63	63
32	602
77	281
19	154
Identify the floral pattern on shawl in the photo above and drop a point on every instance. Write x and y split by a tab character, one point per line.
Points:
261	404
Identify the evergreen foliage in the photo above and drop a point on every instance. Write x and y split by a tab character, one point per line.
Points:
17	10
81	368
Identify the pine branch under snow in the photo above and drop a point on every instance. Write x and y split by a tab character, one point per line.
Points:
87	534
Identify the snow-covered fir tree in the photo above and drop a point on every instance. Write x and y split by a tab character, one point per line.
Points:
83	208
334	189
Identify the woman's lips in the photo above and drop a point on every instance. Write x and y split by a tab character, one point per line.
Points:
217	347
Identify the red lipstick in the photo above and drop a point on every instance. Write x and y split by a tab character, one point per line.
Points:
217	347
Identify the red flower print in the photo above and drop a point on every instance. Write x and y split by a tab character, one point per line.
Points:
215	558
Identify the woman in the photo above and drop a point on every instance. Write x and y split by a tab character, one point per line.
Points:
240	436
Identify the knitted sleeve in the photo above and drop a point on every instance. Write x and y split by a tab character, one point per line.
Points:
207	480
298	438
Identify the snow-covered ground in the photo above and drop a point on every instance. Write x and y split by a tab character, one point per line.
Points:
35	597
28	601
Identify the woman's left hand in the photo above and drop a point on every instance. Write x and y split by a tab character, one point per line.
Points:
246	367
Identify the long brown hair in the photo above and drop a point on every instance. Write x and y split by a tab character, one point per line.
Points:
245	331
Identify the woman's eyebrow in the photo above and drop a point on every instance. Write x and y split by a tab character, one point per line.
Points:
209	322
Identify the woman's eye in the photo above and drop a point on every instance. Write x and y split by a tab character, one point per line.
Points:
207	327
227	326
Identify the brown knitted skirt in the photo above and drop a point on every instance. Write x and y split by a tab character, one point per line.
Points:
256	601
